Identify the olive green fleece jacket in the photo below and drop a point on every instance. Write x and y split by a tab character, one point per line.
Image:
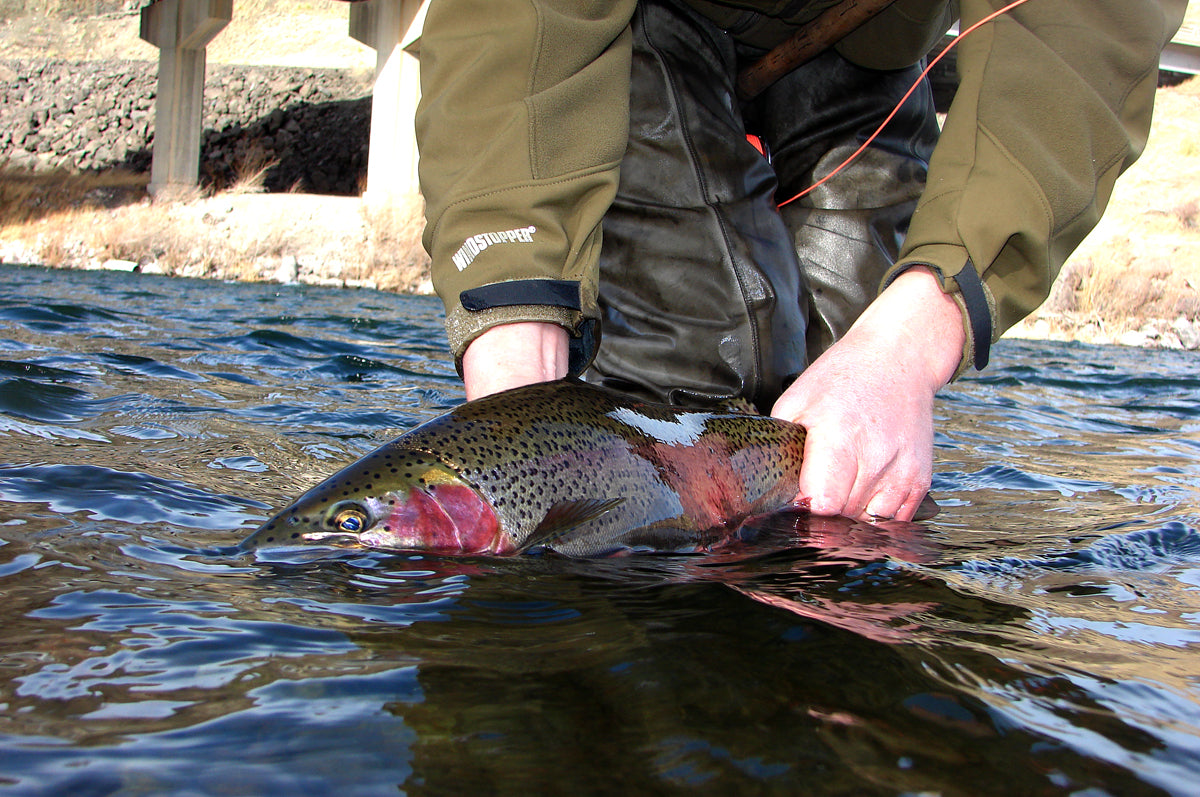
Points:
524	118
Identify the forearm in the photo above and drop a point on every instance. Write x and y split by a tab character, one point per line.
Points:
919	325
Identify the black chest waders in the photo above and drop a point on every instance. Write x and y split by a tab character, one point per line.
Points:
708	292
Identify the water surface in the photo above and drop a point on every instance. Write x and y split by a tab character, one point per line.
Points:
1040	636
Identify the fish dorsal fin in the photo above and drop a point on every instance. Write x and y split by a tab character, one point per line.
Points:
565	516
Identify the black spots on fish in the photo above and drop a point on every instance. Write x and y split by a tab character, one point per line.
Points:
267	528
297	522
348	486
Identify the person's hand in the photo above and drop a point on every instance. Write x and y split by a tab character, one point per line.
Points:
867	403
514	355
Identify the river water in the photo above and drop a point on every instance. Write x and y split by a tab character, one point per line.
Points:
1040	636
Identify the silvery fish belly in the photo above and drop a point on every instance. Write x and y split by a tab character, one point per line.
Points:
564	466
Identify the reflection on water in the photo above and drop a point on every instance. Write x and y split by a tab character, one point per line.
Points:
1041	635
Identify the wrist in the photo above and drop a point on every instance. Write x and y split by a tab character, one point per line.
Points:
512	355
926	321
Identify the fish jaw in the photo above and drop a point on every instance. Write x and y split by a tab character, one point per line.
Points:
440	518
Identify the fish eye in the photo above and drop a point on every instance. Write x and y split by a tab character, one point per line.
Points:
350	520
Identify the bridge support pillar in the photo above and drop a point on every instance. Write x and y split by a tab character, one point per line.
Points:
181	30
393	29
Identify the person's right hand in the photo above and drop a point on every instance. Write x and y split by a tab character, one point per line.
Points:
513	355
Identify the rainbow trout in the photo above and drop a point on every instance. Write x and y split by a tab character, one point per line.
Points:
564	466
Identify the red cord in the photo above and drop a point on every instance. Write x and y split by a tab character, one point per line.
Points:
904	99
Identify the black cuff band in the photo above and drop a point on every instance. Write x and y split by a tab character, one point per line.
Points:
970	287
553	293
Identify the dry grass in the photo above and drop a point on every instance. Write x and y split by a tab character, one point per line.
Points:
395	258
26	197
250	173
86	221
303	33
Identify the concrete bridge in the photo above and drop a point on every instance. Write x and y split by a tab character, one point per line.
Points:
1182	54
182	29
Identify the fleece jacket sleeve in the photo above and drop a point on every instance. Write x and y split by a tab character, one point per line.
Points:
521	127
1054	102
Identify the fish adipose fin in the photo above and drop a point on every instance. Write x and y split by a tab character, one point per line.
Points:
565	517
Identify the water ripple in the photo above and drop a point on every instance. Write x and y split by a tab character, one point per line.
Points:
107	494
1038	637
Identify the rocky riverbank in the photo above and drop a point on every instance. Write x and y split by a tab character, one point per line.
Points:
282	163
304	129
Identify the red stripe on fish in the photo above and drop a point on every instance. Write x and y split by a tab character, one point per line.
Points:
444	518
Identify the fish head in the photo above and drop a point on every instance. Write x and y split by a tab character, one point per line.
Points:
399	500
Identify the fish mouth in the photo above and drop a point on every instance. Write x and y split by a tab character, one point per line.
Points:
269	535
339	538
441	518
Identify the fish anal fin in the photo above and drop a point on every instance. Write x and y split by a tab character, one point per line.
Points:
566	516
927	509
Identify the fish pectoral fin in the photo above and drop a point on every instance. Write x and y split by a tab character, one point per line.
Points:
565	516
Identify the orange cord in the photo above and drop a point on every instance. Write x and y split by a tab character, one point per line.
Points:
904	99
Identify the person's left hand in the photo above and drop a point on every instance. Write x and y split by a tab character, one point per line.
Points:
867	403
